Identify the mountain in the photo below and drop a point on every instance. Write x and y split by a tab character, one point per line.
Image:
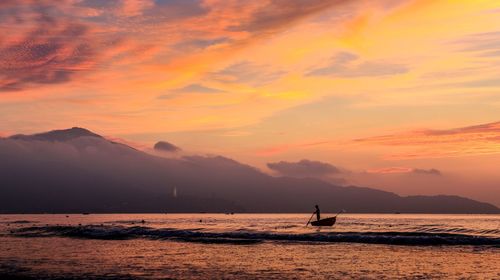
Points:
76	170
57	135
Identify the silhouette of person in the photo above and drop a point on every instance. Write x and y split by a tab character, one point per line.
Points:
317	212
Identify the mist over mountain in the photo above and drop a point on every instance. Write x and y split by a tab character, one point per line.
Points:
76	170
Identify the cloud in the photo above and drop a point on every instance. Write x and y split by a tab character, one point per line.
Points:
485	44
197	88
344	65
52	42
97	4
430	136
46	56
247	72
135	7
164	146
49	47
280	13
148	10
436	143
431	171
405	170
192	88
303	168
177	9
55	42
390	170
494	82
202	43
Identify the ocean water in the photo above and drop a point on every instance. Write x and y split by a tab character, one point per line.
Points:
249	246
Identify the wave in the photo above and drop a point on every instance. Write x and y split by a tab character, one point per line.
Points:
468	231
19	222
241	237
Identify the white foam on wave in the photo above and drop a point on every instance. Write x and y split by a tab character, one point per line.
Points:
106	232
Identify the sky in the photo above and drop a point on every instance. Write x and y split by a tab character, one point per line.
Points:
399	95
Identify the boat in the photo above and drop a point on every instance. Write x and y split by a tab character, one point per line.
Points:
328	222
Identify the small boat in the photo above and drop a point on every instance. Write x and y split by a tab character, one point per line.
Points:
328	222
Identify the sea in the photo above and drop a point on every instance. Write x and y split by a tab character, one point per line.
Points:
248	246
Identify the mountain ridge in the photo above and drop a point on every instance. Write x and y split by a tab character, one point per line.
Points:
76	170
60	135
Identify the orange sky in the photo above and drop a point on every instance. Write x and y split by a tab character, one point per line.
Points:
381	89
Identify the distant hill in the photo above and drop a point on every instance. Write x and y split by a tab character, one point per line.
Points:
76	170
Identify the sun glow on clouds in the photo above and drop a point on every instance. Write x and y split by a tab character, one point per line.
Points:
250	78
464	141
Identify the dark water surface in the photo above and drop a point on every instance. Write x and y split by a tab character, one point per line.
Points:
271	246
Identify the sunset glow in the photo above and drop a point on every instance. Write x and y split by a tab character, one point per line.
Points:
378	89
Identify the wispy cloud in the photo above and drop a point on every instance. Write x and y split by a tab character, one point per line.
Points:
348	65
50	53
433	143
195	44
197	88
405	170
249	73
149	10
486	44
390	170
190	89
52	42
277	14
432	171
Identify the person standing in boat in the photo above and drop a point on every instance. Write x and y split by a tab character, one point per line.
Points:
317	212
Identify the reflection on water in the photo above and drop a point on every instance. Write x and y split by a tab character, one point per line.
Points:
249	246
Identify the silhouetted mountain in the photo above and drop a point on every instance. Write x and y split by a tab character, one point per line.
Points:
76	170
57	135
